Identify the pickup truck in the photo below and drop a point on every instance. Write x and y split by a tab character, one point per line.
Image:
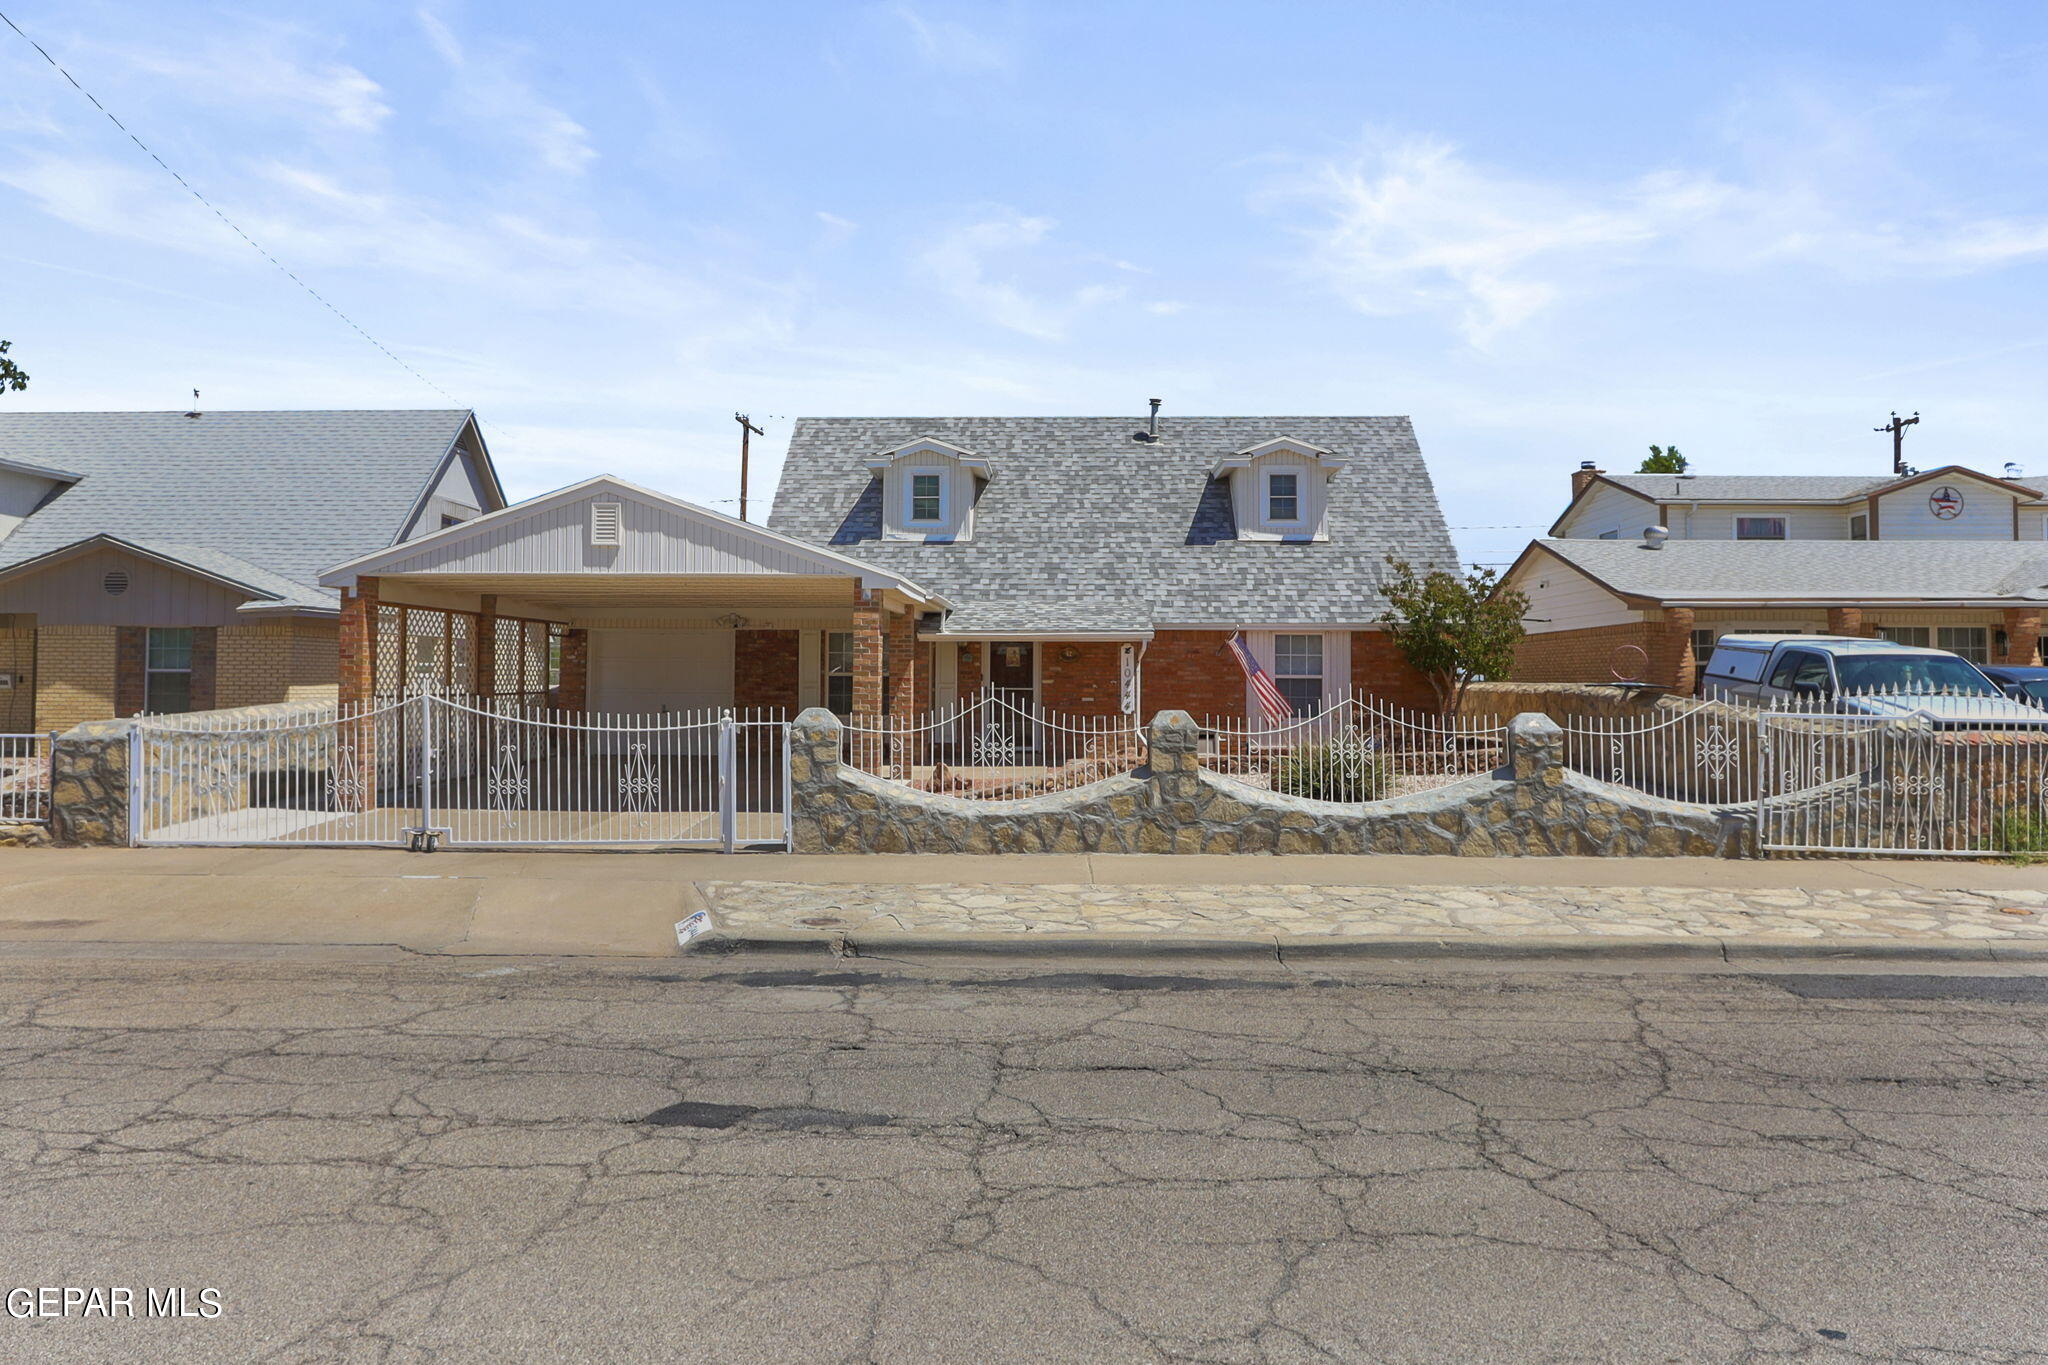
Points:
1855	676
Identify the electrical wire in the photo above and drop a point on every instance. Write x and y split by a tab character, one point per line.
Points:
232	225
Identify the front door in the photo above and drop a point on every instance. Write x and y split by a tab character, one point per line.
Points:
1010	669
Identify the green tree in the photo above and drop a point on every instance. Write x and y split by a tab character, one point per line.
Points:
1663	460
1454	629
12	376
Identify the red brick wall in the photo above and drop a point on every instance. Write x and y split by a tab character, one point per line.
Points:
1581	655
972	653
1089	684
899	630
867	653
1380	670
131	649
358	643
764	669
573	692
1191	671
205	666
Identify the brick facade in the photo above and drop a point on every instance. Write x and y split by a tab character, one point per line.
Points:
968	679
1191	671
18	663
573	692
900	656
764	669
356	642
1088	684
2022	627
131	669
867	653
1578	655
74	675
1379	669
1849	621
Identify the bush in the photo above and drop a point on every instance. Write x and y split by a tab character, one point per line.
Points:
1342	769
2021	832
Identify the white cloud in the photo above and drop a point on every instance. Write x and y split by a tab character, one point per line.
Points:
946	43
257	67
961	262
493	94
1412	226
837	229
1165	308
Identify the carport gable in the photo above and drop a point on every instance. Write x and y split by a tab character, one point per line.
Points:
607	537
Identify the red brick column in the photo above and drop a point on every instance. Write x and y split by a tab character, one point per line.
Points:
205	667
358	643
1670	650
972	652
131	652
573	693
867	655
1848	621
764	669
900	661
2022	636
483	659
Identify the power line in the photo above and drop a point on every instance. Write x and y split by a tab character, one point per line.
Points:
232	225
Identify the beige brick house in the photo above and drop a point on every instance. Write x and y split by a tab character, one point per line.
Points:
166	561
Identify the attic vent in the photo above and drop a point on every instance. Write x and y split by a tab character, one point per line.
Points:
116	582
606	518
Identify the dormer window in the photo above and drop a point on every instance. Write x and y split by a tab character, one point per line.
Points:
1280	489
927	496
929	489
1283	498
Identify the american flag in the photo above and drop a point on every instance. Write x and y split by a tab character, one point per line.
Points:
1277	708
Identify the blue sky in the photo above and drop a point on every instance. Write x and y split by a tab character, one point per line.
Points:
1547	232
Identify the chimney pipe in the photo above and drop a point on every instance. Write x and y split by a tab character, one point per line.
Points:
1583	476
1151	431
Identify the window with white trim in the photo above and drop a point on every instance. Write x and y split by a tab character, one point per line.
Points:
167	677
1298	671
927	497
1283	497
1759	528
839	672
1972	642
1916	636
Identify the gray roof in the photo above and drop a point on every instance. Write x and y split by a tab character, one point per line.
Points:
269	499
1843	570
1084	529
1751	487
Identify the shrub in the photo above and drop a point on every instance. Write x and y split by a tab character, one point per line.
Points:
1342	769
2021	832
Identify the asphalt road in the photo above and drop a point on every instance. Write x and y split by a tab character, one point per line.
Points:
750	1161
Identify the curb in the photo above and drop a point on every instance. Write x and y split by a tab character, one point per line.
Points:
1727	951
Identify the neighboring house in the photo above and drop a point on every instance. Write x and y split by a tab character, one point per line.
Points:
1666	564
165	561
910	561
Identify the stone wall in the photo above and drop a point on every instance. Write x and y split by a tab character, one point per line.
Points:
1535	805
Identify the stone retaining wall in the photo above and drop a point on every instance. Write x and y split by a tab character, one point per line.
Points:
1535	805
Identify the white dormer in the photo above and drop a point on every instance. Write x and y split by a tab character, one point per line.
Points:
1280	489
929	489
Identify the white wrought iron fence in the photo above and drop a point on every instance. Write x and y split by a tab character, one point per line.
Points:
25	779
327	775
993	746
1354	749
1694	751
504	772
1939	773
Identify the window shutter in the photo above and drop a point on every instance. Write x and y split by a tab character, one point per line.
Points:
606	521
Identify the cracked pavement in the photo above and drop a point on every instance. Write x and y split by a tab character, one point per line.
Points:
756	1159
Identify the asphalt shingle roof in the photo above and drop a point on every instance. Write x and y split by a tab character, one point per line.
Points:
1850	570
1751	487
266	498
1083	528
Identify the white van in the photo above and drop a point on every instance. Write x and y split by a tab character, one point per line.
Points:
1864	677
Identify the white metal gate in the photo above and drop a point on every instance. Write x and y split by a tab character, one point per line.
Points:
435	770
1864	784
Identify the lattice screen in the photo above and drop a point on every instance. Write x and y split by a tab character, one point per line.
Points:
428	649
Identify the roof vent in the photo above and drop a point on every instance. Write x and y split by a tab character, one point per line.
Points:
1151	431
195	404
1655	536
116	582
606	521
2013	471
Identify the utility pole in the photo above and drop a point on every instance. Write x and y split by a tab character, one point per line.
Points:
748	428
1897	427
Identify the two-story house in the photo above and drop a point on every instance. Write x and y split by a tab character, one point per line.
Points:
1091	565
1643	572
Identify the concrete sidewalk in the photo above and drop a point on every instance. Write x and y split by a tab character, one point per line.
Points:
516	903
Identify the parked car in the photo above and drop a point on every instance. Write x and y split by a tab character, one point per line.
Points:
1855	676
2025	684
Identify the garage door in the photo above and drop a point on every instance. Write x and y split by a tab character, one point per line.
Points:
642	672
